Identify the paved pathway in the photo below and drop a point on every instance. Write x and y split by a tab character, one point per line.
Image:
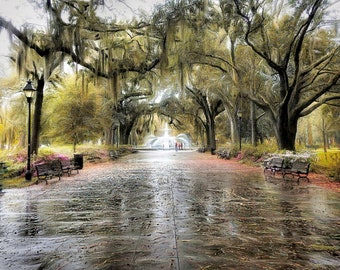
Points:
168	210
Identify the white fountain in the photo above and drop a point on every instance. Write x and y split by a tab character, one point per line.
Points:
167	142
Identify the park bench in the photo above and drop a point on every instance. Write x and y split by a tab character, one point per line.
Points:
299	168
225	154
202	149
67	166
113	154
274	165
48	170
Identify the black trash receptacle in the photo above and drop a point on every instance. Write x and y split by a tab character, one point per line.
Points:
79	160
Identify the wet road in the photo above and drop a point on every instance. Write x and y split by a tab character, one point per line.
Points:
168	210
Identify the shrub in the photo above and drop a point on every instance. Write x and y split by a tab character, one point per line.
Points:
329	164
257	153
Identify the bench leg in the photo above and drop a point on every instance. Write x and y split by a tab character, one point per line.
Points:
39	179
58	174
303	176
287	173
299	175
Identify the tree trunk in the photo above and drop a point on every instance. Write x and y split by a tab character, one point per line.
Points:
109	135
123	137
74	146
285	131
234	129
36	126
212	137
125	130
210	110
253	124
210	134
324	136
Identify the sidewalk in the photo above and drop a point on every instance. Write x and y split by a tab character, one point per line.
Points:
170	210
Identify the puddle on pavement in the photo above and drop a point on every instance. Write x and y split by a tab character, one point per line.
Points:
166	210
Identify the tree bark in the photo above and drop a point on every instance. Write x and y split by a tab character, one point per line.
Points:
36	125
253	124
124	133
285	131
212	136
324	136
211	109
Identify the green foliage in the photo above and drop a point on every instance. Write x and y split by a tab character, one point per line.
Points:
329	164
257	153
13	113
250	152
15	182
15	162
75	114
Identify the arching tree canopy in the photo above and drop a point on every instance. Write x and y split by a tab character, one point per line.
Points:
273	54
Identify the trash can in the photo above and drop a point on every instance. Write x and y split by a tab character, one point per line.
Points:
78	160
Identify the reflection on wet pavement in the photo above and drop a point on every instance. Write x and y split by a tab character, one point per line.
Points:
170	210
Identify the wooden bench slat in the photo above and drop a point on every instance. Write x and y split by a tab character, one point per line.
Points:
43	172
274	165
48	170
68	166
225	154
299	168
55	168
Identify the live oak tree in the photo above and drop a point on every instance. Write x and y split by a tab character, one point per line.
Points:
188	35
41	70
302	71
35	59
196	37
133	103
108	49
209	108
115	51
